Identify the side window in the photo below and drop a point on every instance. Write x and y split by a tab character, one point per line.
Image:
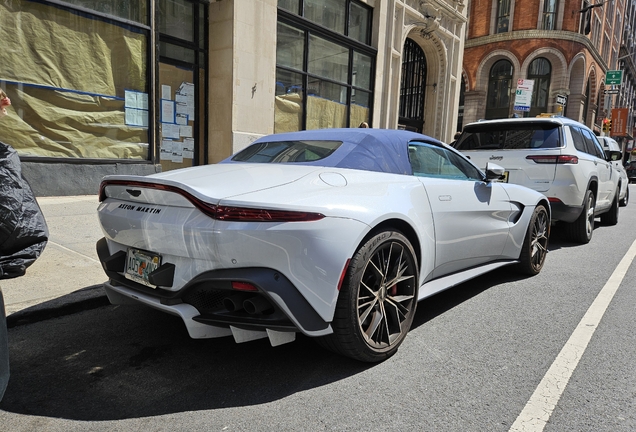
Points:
591	144
599	150
429	160
579	141
470	171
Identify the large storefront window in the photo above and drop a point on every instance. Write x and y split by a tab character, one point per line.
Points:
182	81
78	81
324	65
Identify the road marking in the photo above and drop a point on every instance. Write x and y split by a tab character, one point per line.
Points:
536	414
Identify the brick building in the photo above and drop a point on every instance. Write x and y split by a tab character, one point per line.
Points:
627	63
564	46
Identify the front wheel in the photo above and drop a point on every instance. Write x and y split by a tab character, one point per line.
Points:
535	245
377	300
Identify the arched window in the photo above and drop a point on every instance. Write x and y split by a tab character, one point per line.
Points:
460	112
499	85
586	98
412	87
540	71
503	16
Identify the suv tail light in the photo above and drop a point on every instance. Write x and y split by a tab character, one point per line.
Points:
554	159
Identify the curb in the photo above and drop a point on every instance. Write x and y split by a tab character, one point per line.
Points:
84	299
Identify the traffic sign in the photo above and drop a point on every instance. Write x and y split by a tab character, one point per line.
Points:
611	91
561	100
614	77
523	95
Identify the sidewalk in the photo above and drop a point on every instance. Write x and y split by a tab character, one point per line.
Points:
68	270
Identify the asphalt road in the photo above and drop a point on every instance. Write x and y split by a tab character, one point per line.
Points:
474	358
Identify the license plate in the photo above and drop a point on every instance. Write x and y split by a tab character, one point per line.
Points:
504	178
139	264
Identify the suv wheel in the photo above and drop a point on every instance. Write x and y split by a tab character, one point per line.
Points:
625	200
611	217
581	230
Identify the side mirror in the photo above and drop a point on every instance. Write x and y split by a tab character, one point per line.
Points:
494	172
613	155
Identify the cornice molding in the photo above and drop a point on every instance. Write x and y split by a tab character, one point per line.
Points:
559	35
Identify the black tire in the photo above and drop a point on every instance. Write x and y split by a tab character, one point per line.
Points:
611	217
625	200
535	245
581	230
377	300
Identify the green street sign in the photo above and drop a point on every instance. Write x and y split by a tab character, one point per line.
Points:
614	77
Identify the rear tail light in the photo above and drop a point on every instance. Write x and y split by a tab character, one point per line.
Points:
219	212
554	159
244	214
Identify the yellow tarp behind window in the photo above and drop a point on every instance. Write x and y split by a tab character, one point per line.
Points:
321	113
66	74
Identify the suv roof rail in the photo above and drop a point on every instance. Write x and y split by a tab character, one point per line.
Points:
549	115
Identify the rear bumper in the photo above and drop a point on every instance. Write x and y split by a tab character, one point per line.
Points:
205	302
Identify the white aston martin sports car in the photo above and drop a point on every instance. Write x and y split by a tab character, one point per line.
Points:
334	233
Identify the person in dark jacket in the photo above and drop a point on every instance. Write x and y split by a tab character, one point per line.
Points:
23	232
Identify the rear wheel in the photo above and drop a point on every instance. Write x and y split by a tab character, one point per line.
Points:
625	199
535	245
377	300
581	230
611	217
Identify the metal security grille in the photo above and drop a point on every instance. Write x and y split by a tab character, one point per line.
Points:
413	86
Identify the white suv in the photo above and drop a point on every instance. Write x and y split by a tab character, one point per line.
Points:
611	144
558	157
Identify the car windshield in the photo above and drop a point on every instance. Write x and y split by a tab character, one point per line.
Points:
509	136
287	151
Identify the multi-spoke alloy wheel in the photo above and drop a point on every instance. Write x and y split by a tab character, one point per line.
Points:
582	228
535	246
377	300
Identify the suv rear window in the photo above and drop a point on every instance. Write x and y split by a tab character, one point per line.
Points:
509	136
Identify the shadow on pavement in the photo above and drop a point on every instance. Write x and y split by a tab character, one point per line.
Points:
119	362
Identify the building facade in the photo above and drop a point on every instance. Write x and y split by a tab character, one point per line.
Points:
556	51
627	96
137	87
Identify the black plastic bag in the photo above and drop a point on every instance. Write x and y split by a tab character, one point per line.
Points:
23	230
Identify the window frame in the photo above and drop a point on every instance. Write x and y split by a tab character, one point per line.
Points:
453	158
503	15
535	109
309	28
497	80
